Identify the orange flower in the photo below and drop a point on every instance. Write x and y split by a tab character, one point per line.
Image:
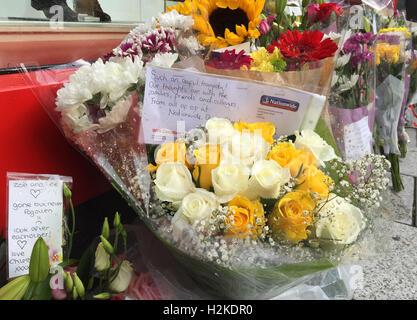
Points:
414	66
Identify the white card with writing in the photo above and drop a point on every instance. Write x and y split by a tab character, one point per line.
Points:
357	137
176	100
35	210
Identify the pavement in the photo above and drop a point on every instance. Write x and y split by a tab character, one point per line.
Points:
393	275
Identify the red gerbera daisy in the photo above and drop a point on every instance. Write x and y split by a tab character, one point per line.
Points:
229	60
322	12
299	48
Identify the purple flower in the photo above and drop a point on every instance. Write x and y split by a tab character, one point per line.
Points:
358	46
160	40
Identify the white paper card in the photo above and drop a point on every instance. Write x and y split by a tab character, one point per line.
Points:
176	101
35	210
357	137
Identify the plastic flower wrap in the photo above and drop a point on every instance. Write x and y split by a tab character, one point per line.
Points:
412	96
352	96
391	95
247	211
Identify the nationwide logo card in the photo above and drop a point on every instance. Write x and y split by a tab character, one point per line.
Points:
179	100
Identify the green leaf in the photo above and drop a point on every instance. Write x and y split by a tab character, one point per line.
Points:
86	264
43	290
96	99
323	131
39	261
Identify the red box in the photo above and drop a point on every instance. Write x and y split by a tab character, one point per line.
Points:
31	143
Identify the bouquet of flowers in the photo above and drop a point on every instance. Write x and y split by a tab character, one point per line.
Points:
248	208
352	97
412	95
391	96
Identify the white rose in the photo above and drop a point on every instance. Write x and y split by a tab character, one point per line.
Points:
173	182
245	148
228	180
310	141
266	180
198	205
339	222
219	130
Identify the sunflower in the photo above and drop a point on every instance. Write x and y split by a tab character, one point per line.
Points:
222	23
186	8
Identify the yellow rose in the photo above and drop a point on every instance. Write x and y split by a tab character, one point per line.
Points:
304	159
245	217
267	129
291	217
207	159
170	152
287	156
283	153
314	180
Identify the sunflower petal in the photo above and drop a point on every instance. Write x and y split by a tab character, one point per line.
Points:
241	31
232	38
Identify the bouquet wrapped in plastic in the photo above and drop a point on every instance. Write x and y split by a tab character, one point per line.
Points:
352	96
412	95
391	92
234	176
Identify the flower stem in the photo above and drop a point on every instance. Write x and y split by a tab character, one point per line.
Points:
395	172
403	148
71	235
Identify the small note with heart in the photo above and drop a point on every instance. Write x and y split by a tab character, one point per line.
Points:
35	207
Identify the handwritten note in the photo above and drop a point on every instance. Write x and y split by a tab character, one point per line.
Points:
176	100
35	210
358	138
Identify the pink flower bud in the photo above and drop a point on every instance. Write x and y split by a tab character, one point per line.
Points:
264	27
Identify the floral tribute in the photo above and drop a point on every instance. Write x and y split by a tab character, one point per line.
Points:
244	184
246	210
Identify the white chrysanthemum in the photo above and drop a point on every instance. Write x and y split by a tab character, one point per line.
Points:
173	20
164	60
142	28
111	80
